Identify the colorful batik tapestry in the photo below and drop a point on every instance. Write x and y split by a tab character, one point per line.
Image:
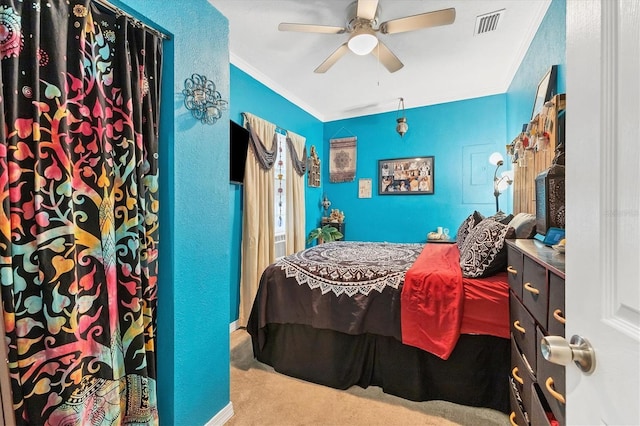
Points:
79	215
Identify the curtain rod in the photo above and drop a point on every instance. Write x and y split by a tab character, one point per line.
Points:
136	21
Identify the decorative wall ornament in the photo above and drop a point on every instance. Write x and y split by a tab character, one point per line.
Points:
326	203
364	188
402	127
280	176
342	159
202	99
313	169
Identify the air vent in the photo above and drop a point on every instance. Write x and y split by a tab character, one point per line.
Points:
488	22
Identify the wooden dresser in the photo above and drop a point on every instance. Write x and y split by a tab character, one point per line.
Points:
536	280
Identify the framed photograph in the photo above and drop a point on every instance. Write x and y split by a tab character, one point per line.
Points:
406	176
546	90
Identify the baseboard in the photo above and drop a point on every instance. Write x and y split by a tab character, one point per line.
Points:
233	326
222	417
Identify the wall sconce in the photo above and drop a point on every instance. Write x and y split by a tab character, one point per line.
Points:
325	205
202	99
402	125
500	184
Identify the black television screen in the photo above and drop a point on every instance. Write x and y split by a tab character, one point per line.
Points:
238	145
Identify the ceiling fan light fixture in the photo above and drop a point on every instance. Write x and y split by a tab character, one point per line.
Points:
363	42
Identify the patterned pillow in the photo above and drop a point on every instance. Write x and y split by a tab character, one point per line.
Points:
501	217
466	226
484	251
524	224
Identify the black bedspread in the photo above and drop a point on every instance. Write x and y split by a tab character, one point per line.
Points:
313	322
476	374
351	287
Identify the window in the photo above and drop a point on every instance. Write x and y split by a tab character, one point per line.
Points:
280	194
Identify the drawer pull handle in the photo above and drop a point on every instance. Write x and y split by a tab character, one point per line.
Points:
512	419
517	378
552	391
512	270
557	314
531	289
517	326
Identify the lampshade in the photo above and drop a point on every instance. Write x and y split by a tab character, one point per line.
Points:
362	42
496	159
505	180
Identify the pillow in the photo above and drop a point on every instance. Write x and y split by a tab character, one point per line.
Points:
466	226
524	225
501	217
484	252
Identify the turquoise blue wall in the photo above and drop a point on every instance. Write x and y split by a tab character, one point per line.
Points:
199	258
460	135
193	287
249	95
547	48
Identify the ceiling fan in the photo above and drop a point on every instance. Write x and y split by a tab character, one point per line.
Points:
362	24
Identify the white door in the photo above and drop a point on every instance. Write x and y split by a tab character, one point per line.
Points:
603	221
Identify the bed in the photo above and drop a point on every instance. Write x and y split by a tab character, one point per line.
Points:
398	316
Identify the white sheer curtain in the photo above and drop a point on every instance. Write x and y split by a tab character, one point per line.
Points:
258	225
295	225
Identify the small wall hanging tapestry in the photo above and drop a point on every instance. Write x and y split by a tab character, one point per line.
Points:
313	169
342	159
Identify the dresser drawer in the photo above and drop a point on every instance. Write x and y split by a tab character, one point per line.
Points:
523	330
535	291
522	377
552	382
517	416
514	269
538	409
556	306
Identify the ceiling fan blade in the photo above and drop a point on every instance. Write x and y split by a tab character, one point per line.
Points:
386	57
332	59
416	22
367	9
311	28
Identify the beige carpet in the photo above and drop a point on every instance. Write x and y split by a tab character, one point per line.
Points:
263	397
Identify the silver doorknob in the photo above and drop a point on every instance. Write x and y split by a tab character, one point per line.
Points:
556	349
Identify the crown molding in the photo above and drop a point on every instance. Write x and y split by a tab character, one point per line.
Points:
271	84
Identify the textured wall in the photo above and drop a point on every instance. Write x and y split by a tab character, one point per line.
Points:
461	135
193	308
456	133
547	48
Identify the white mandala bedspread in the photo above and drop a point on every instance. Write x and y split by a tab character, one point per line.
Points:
346	267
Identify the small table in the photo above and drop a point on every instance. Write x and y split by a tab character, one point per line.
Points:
338	225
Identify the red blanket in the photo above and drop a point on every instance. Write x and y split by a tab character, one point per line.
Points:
432	300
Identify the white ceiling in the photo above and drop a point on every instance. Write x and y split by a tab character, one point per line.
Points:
441	64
